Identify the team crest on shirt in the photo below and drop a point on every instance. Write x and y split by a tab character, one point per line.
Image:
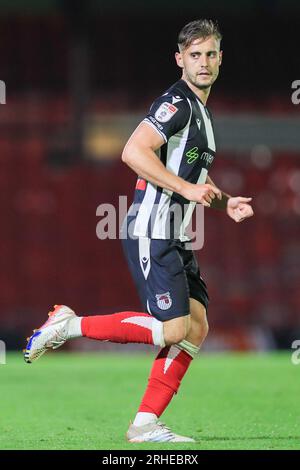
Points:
164	301
165	112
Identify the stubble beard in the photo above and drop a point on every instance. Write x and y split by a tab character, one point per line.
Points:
201	86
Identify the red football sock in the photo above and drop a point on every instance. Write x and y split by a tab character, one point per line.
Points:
167	372
123	327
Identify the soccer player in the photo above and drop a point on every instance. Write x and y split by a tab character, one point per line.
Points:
171	151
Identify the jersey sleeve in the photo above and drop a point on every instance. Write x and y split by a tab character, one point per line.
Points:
168	115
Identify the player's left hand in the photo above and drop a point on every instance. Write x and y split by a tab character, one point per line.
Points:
238	208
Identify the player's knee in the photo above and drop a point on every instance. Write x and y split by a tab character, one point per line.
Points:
175	330
198	331
174	336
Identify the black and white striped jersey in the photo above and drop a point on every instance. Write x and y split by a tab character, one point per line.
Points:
189	150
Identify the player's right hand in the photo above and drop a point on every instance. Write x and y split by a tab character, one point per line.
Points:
202	193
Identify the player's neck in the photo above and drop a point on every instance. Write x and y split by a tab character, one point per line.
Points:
202	94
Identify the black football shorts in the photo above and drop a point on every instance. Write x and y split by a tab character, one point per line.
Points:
166	275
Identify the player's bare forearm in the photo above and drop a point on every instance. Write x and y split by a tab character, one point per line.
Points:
220	204
145	163
139	154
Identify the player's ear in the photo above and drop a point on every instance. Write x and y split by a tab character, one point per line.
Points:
178	58
220	57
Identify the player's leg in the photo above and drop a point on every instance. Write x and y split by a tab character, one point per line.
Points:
148	261
123	327
198	325
172	362
168	276
166	375
120	327
152	263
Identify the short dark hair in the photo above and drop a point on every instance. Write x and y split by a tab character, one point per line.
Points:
198	29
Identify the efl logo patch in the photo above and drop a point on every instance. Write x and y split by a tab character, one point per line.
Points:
164	301
165	112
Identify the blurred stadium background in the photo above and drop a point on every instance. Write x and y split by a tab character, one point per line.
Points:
79	76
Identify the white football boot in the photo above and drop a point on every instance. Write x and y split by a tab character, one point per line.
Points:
154	432
51	335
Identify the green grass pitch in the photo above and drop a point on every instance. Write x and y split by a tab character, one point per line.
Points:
85	401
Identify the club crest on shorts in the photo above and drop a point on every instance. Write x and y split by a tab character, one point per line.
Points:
164	301
165	112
